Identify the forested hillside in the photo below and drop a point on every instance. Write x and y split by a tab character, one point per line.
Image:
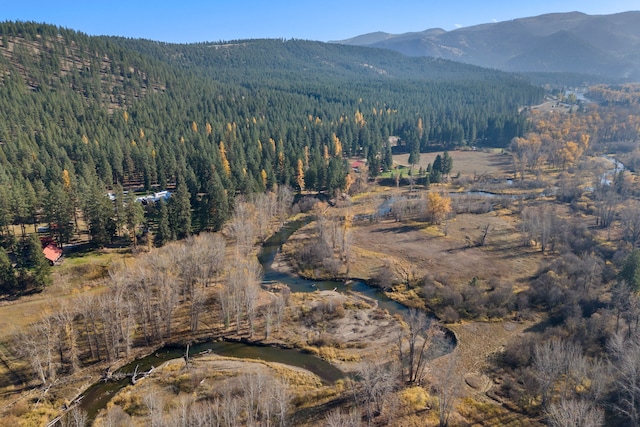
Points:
85	115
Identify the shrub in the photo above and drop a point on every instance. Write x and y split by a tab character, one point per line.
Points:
414	398
449	315
518	353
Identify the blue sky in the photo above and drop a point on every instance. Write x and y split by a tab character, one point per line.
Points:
187	21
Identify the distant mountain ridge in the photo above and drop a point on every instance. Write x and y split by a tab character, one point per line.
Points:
606	45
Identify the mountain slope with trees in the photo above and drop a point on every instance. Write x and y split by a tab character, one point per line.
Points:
86	115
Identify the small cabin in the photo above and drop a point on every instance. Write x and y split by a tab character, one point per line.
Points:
53	253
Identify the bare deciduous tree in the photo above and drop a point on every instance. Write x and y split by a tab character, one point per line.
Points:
559	365
211	256
280	401
75	418
28	345
338	418
64	317
284	199
253	386
116	417
446	386
417	336
607	201
88	319
155	406
574	412
625	363
630	221
241	227
376	379
266	209
238	296
540	224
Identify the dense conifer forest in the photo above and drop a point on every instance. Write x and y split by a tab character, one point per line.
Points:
85	115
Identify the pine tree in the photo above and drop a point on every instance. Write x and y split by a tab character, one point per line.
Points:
6	213
387	162
435	175
99	214
630	271
414	153
163	232
134	216
180	211
217	203
8	280
40	267
59	213
20	209
447	163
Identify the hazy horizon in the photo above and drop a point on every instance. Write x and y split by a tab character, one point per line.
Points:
192	21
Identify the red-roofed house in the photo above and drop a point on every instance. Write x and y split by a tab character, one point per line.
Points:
52	253
357	165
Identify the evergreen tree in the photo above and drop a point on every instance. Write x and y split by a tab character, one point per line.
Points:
335	175
39	264
163	232
99	214
437	164
387	162
373	163
6	216
414	153
180	211
134	216
20	209
32	205
435	172
59	213
447	163
8	280
119	208
217	203
630	271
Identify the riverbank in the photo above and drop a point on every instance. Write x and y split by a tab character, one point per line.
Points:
416	254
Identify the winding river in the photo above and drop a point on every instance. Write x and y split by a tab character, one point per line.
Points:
96	397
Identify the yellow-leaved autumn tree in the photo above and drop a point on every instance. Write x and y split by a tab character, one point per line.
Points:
306	156
223	157
66	180
438	207
337	145
300	175
263	174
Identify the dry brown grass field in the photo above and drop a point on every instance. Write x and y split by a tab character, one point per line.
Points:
468	163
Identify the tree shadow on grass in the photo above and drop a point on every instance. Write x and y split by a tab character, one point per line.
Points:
401	229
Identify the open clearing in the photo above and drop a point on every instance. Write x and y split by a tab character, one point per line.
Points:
468	163
76	275
419	250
